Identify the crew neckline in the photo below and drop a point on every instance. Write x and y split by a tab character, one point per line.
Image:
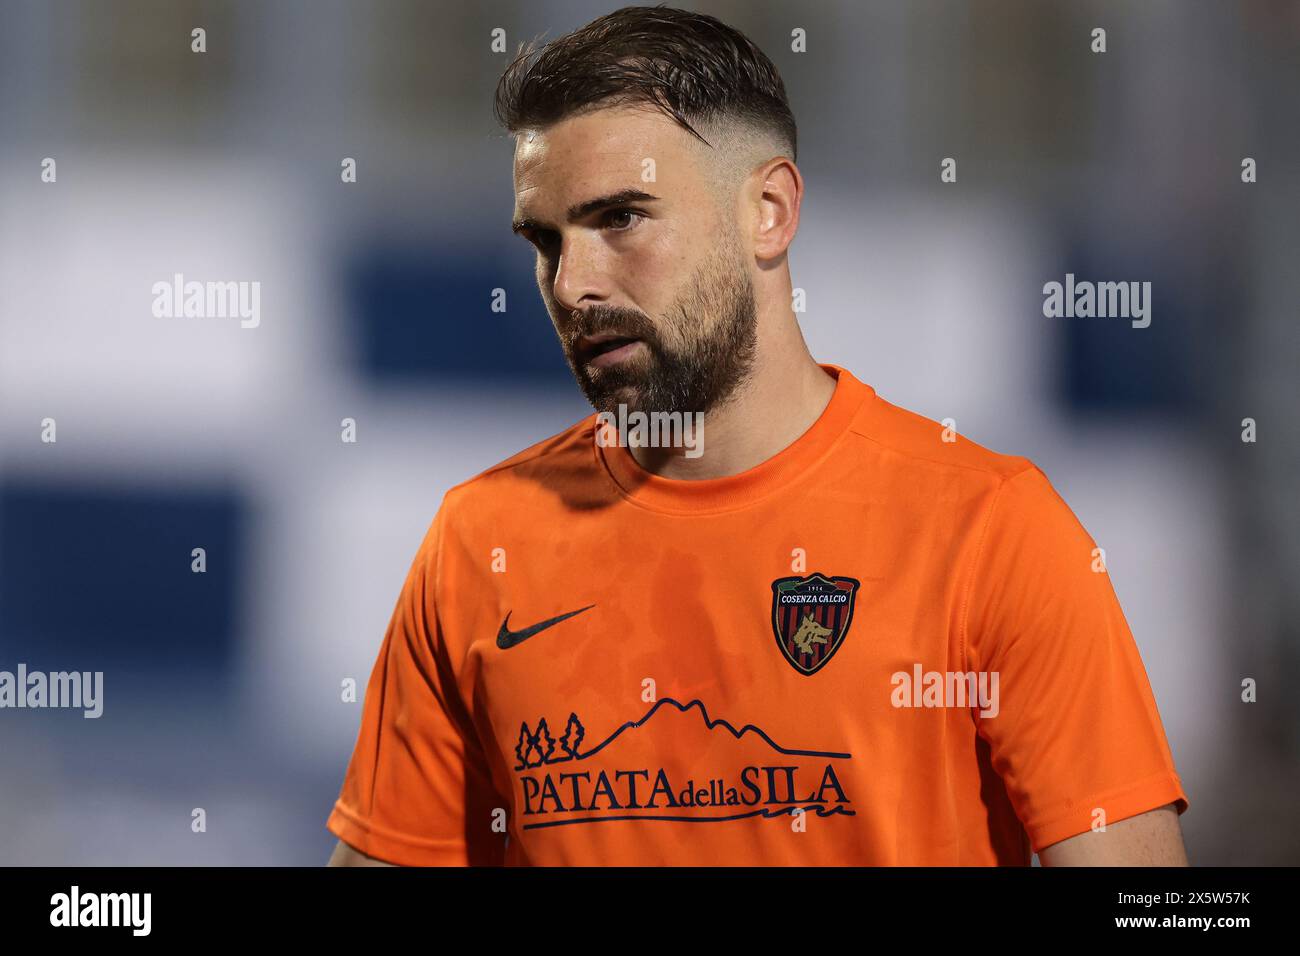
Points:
730	492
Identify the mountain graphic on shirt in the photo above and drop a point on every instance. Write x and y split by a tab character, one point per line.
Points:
675	763
667	720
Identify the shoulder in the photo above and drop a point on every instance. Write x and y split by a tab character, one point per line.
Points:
1004	496
912	442
562	463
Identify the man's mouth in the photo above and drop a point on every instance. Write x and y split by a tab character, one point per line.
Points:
605	350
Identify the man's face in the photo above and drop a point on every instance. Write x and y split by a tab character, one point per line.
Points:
644	275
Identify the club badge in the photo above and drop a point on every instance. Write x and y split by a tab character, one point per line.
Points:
811	618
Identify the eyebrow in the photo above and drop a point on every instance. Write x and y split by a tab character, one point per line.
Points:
583	209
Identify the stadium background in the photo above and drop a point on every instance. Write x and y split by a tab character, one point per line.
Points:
222	689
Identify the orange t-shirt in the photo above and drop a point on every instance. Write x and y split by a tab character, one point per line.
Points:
877	647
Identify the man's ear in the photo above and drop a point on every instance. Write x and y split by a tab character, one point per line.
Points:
778	195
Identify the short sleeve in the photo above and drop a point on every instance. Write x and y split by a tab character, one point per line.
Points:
417	790
1077	727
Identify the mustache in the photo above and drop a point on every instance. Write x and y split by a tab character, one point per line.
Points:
604	320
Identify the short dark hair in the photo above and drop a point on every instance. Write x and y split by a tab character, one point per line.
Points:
690	66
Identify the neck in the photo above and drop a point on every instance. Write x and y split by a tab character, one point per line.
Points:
784	395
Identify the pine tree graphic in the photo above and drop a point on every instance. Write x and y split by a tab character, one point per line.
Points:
573	734
544	735
525	741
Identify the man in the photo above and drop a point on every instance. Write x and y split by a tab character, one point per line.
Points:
833	637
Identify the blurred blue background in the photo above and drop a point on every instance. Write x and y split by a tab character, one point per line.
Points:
222	690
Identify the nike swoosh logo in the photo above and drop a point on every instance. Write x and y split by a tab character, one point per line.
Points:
507	638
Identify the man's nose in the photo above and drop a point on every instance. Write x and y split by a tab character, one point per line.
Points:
580	274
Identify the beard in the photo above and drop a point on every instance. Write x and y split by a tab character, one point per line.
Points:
695	358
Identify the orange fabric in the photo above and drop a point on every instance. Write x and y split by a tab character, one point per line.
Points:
669	724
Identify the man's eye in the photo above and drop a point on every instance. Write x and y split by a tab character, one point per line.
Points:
541	238
623	220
